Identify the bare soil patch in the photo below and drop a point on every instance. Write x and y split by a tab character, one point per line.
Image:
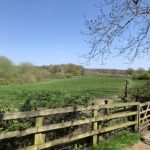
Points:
144	144
139	146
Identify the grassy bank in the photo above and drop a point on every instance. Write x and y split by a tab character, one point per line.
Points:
119	142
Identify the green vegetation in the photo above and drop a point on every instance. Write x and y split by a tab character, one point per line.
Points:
119	142
58	90
28	73
62	92
141	92
57	85
141	76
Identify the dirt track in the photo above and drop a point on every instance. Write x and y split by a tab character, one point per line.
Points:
139	146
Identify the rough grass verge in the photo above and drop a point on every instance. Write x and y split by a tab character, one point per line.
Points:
119	142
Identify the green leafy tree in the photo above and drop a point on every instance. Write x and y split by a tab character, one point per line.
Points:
7	69
130	71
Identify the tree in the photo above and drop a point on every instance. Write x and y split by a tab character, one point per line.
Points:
75	70
55	69
26	66
123	26
7	69
130	71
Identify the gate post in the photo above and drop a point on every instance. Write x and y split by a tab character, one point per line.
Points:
137	118
138	123
126	91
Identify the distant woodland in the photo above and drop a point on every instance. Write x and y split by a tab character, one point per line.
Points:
29	73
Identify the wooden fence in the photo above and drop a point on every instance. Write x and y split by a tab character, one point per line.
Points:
128	113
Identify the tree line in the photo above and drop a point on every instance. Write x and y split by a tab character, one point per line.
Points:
29	73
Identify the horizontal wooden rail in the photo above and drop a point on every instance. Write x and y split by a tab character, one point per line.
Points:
144	104
78	137
31	114
123	125
115	105
34	130
37	113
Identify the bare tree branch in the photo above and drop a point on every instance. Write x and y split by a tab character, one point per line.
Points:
121	27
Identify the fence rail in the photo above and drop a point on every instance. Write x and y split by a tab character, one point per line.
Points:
111	111
37	113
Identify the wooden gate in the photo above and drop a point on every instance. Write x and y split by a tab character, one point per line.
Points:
144	116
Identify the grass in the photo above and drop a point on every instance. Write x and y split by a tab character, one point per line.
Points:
119	142
97	87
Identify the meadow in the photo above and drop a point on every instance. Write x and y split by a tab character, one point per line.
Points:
94	87
64	92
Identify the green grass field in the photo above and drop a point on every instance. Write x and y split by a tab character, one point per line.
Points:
96	87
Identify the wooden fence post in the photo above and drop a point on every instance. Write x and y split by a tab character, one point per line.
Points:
126	91
95	126
138	117
39	138
107	112
100	138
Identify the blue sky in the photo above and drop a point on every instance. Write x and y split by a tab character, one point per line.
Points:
49	32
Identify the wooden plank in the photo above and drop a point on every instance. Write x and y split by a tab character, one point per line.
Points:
33	130
85	121
144	104
121	105
95	127
62	140
123	125
30	114
136	119
10	116
77	137
39	138
139	117
145	114
11	134
34	147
